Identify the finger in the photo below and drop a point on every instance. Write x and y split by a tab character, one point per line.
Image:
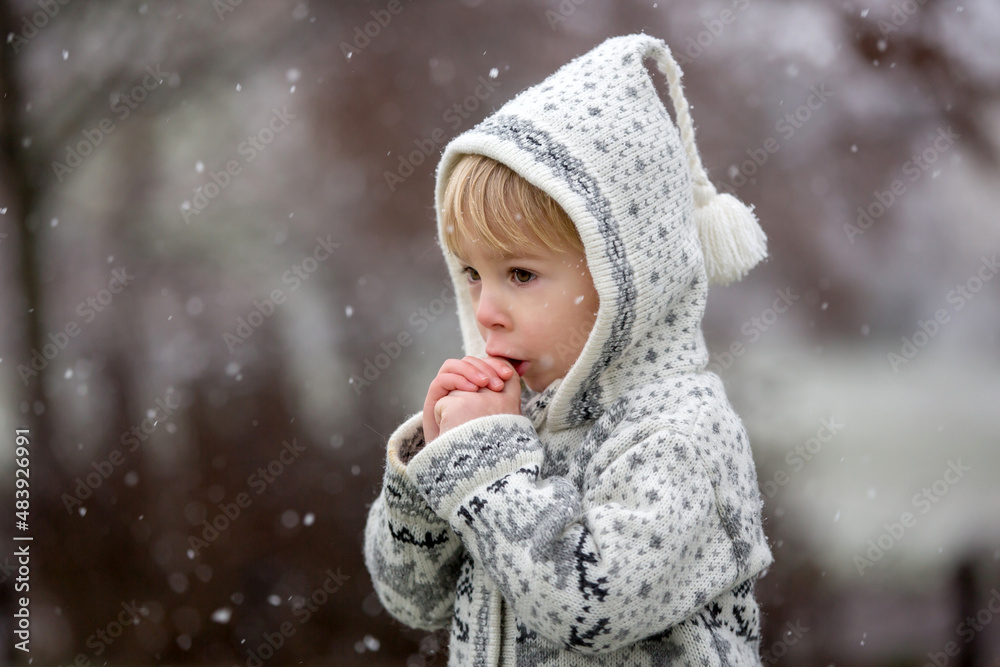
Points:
484	374
439	409
496	380
445	383
502	367
430	426
513	390
478	374
513	386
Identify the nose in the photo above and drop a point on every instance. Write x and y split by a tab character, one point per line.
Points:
492	309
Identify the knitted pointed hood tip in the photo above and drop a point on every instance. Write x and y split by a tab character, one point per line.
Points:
732	240
597	138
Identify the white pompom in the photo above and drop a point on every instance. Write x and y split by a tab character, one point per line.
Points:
732	240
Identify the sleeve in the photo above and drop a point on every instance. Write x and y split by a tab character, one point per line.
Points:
642	549
412	555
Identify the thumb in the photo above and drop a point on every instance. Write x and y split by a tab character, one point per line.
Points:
438	411
513	389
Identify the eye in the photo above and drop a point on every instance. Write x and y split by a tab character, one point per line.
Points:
471	273
521	273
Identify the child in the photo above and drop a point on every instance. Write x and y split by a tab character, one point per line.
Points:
601	507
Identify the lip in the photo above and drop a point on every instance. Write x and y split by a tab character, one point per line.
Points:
520	365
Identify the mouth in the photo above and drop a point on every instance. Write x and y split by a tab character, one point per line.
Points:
520	365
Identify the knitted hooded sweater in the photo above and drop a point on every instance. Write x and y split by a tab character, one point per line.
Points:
617	519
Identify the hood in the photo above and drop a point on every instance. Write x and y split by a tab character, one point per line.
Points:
597	138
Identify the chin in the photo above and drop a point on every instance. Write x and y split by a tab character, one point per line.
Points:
533	385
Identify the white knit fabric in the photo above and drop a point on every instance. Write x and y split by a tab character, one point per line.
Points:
617	519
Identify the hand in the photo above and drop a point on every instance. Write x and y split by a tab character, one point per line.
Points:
460	406
471	376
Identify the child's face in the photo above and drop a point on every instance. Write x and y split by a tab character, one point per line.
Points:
536	308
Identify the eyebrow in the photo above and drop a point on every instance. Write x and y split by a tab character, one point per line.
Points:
507	256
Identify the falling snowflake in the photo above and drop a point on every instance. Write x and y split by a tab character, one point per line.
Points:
222	615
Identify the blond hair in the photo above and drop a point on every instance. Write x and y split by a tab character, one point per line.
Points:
485	199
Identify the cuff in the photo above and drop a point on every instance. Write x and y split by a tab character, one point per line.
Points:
402	499
476	453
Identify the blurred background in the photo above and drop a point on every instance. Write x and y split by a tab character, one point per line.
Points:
222	292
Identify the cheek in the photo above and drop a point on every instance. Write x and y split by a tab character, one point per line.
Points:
585	315
593	301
